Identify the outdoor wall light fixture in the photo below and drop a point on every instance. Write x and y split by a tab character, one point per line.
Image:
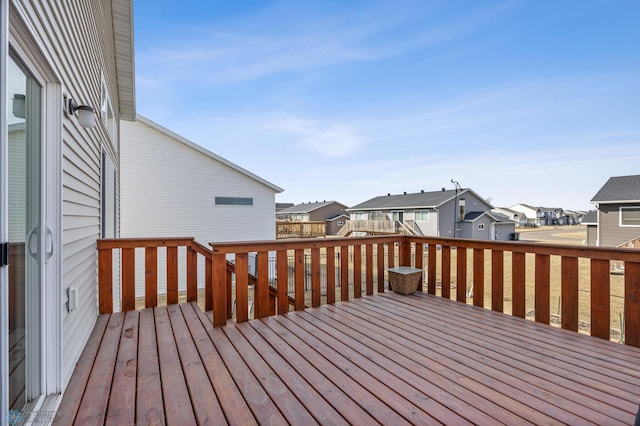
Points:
86	114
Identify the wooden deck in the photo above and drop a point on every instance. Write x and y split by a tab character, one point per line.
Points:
386	358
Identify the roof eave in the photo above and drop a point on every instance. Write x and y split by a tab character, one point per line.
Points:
122	15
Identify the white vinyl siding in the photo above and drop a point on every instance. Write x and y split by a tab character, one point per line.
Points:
170	189
77	40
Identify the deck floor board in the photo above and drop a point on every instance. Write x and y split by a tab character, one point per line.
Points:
386	359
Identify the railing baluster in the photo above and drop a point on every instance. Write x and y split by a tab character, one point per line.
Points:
299	279
369	267
344	273
543	288
315	276
518	268
431	267
242	287
600	298
151	277
632	303
478	277
105	279
404	253
569	293
261	290
497	280
461	274
380	262
229	293
419	263
391	253
282	280
357	271
208	289
446	271
128	279
192	275
219	293
331	275
172	275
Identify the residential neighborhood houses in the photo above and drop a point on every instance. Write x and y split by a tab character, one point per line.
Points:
618	213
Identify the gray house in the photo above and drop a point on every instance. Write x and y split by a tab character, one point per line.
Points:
590	220
324	211
445	213
618	207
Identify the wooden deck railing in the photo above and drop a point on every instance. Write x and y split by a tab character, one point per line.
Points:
285	230
491	275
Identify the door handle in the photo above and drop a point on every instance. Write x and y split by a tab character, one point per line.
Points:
49	242
32	253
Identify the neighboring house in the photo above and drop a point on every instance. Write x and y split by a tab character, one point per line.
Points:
282	206
571	217
59	182
444	213
590	220
314	212
518	217
336	223
181	189
618	206
540	216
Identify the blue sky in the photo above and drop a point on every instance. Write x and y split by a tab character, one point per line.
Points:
524	101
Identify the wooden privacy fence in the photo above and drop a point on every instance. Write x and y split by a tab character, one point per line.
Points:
360	269
286	230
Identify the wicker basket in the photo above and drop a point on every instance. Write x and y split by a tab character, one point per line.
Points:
404	280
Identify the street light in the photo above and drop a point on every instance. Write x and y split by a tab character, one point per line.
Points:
457	187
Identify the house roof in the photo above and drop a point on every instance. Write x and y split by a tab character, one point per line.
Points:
419	200
122	15
622	189
591	218
496	217
309	207
339	215
206	152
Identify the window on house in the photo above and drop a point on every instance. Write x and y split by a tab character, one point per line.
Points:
630	216
398	216
106	113
377	215
340	223
421	215
359	216
480	226
234	201
109	198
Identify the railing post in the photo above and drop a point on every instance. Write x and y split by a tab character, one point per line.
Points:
299	279
192	275
128	279
497	280
600	298
261	290
405	252
431	269
344	273
172	275
150	277
419	263
105	281
208	286
315	277
461	274
380	260
542	288
331	275
632	303
569	294
369	272
282	277
219	293
229	294
446	271
357	271
478	277
518	268
242	284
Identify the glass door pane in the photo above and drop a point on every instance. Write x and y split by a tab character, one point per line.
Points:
24	217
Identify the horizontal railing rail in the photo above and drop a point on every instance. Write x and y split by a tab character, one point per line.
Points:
517	278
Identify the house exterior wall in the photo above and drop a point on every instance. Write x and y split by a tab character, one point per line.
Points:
504	231
592	235
323	213
429	227
77	41
170	191
333	227
611	234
